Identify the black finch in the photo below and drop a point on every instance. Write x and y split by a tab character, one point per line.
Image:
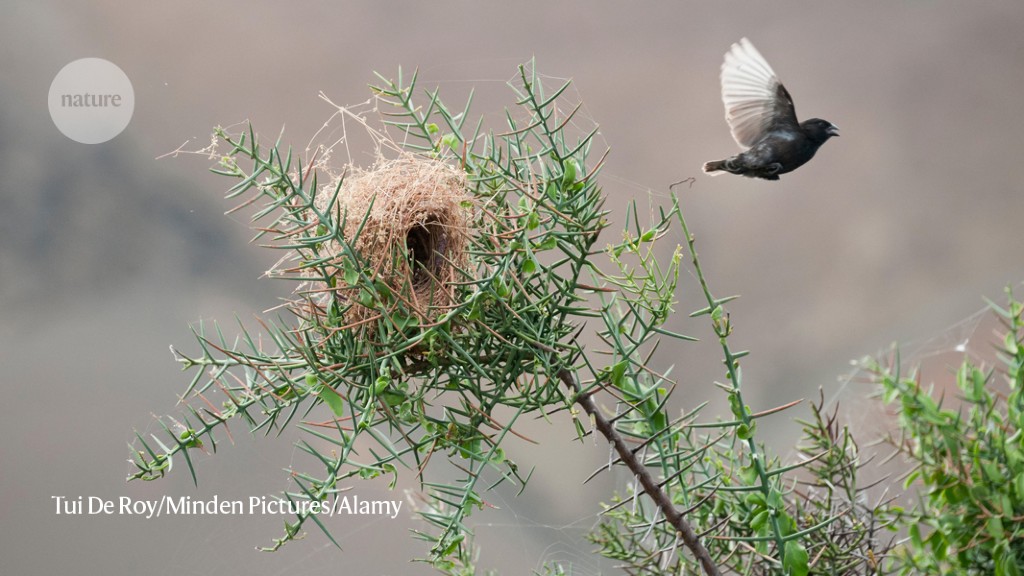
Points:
762	119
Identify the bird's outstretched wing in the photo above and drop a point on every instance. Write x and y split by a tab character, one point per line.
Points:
755	101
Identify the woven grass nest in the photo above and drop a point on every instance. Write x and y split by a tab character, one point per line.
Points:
414	237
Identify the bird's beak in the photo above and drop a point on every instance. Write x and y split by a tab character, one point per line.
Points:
833	130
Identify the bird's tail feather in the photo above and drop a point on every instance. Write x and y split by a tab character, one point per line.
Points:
714	168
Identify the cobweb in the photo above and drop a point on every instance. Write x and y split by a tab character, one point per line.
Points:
934	359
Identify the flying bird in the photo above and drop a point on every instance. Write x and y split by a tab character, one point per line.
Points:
762	119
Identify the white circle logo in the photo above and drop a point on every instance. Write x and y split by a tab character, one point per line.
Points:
91	100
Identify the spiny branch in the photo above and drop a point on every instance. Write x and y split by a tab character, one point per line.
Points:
650	485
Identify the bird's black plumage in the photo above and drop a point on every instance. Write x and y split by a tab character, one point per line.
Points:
762	119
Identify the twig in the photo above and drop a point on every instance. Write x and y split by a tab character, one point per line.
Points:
660	498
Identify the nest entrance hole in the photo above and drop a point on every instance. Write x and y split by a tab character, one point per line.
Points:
426	245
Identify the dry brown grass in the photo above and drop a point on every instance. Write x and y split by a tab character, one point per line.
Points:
415	234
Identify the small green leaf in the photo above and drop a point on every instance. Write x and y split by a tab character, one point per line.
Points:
453	545
502	287
390	469
190	440
915	536
618	371
568	173
551	190
1006	564
748	474
1007	504
351	274
759	521
549	243
285	392
333	400
756	499
797	560
392	398
451	141
529	266
992	472
366	298
994	527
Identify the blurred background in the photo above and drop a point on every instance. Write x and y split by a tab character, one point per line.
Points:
893	233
